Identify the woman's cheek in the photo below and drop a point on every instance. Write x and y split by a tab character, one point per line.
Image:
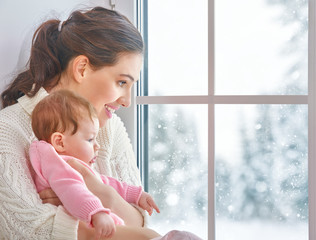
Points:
112	94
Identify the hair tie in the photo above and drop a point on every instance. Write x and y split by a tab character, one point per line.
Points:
60	25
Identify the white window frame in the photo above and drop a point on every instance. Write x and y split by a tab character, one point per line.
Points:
212	100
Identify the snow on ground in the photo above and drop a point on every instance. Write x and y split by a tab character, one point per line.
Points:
252	230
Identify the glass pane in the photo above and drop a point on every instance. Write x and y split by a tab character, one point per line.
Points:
178	167
261	48
177	47
261	172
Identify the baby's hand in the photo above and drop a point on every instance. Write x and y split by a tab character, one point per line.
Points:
103	224
147	203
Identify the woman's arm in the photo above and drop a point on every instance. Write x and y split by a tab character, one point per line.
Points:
23	216
116	159
122	232
109	197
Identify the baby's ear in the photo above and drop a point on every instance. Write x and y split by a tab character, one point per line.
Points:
57	140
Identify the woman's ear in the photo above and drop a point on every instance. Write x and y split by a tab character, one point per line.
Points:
57	140
79	67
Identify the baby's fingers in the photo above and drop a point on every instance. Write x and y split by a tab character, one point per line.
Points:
152	203
102	232
108	232
97	234
111	233
149	210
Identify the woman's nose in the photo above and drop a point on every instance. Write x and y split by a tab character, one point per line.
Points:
125	101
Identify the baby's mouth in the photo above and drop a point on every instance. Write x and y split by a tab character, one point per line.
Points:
93	160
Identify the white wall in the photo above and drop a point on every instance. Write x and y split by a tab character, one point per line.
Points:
18	21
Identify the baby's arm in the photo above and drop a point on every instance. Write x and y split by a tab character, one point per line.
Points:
132	194
129	193
52	171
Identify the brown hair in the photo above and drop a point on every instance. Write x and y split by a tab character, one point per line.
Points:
58	112
100	34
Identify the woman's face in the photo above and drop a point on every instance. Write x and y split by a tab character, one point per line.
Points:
110	87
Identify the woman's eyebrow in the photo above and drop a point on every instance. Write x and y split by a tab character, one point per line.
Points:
129	76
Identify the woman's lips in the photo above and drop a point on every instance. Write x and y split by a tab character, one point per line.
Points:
109	110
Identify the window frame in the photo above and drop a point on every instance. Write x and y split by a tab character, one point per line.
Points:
142	100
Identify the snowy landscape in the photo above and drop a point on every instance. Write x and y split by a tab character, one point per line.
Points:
261	172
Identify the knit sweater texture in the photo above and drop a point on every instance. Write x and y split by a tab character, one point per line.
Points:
22	214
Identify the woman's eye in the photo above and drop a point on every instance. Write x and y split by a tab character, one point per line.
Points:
121	83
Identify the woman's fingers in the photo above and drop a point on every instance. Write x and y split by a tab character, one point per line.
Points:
49	196
90	179
84	171
92	182
53	201
47	193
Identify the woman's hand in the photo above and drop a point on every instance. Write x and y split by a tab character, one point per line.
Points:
49	196
97	187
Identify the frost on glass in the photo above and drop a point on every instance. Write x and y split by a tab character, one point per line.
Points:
261	48
261	175
178	167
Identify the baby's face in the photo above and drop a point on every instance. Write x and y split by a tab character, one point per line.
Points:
83	144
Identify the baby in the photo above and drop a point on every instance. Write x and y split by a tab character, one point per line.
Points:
66	126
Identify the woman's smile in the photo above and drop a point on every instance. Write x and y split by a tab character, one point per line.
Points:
109	110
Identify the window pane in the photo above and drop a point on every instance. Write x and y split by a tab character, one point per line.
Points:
261	48
177	47
178	167
261	172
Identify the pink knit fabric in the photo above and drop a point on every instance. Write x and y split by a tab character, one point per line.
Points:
52	171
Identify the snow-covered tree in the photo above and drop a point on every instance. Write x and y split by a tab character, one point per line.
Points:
177	174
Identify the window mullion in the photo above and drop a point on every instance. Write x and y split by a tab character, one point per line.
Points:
312	121
211	121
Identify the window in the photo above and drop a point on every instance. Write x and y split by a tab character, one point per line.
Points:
226	112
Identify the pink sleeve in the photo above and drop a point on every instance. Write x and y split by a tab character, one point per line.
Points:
66	182
130	193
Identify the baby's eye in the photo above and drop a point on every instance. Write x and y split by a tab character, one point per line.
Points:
90	140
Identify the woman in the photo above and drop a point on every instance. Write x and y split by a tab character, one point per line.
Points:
97	54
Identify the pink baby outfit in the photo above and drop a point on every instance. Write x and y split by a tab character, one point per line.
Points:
52	171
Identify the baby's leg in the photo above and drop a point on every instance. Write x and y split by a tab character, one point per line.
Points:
134	233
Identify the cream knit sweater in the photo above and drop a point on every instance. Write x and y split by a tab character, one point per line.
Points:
22	215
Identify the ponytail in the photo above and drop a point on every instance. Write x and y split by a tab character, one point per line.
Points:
99	34
44	67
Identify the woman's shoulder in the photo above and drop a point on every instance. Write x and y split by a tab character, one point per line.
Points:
15	130
14	118
12	113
